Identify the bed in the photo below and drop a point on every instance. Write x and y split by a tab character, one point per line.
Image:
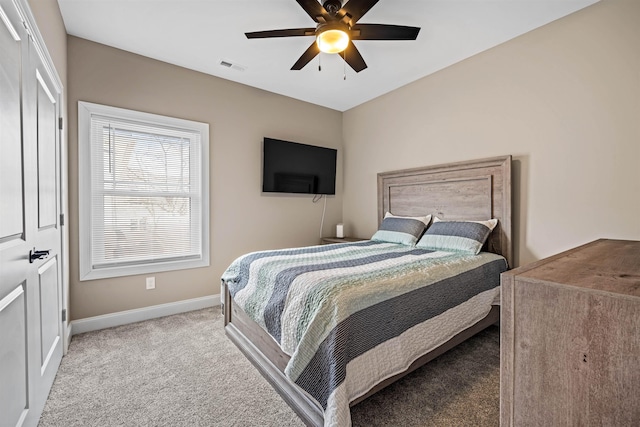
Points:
299	351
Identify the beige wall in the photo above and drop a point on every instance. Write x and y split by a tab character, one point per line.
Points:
564	100
242	219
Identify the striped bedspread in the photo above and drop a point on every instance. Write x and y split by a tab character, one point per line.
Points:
353	314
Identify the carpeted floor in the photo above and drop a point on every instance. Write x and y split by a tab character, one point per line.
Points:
182	371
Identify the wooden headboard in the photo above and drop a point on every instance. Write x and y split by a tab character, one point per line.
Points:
473	190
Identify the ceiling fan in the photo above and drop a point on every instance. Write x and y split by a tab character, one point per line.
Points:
337	28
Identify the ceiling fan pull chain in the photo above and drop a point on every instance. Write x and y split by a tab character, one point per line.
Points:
320	62
344	66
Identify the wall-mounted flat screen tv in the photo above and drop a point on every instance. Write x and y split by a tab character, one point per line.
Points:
291	167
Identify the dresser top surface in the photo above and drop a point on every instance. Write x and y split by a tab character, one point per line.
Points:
604	265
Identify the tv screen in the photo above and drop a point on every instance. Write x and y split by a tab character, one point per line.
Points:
290	167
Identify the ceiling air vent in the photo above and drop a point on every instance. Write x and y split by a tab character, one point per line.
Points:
228	64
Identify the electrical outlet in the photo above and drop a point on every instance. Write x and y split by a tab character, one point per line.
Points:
151	283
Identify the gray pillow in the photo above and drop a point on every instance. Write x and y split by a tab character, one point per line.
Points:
401	229
457	236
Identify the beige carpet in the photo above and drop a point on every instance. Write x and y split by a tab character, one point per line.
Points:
182	371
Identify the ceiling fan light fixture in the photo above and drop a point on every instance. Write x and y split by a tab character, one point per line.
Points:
332	40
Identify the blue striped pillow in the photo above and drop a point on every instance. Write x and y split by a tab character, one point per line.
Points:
401	229
457	236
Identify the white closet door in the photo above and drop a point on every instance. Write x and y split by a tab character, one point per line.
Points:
30	285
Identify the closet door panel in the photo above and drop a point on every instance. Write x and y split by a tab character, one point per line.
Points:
11	183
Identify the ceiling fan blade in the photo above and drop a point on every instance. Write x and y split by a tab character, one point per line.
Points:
293	32
314	9
383	32
352	56
307	56
357	8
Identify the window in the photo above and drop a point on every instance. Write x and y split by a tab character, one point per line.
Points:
144	204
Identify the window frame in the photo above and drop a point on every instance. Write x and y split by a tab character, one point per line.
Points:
85	148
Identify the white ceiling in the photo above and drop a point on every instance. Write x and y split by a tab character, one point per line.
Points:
199	34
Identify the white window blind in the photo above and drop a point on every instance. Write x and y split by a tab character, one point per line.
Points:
146	194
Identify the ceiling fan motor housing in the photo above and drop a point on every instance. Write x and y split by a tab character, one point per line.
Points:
335	25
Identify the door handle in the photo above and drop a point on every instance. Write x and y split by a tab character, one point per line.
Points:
34	255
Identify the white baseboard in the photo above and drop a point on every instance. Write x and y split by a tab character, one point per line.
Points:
137	315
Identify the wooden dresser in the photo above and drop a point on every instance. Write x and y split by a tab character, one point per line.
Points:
570	338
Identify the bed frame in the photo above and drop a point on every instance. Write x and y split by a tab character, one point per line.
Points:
479	189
